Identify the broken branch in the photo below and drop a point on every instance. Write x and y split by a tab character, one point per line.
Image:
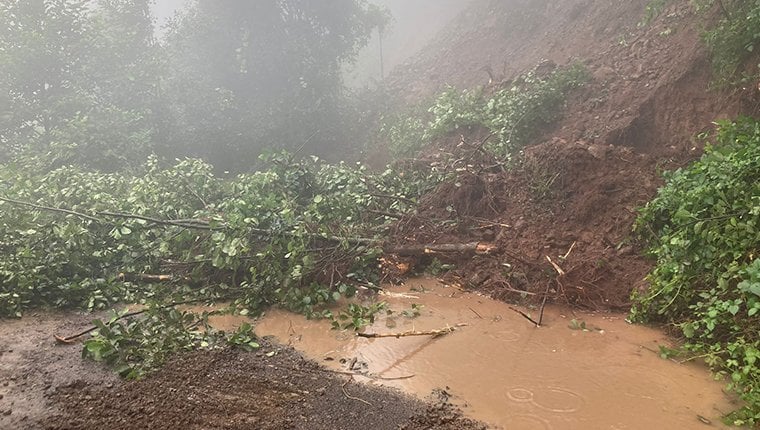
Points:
556	267
50	209
151	278
434	333
526	316
70	339
193	224
410	250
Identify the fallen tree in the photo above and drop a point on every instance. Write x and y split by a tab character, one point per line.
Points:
300	235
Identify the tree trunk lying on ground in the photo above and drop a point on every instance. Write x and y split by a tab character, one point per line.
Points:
410	250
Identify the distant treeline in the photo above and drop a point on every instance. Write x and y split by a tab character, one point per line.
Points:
89	83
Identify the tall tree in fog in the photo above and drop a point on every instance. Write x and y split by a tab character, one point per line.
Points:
120	76
81	79
246	75
41	50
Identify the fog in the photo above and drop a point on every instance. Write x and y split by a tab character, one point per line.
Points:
413	24
107	83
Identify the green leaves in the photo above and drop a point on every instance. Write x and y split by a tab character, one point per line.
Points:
268	230
702	230
515	115
357	316
136	346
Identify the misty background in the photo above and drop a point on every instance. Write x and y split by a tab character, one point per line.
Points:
105	84
413	24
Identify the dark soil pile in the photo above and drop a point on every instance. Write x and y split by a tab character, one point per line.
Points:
274	388
576	191
573	203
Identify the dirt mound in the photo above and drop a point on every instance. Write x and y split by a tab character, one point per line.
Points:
573	203
573	197
275	388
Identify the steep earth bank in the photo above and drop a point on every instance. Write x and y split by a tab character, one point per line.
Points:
575	194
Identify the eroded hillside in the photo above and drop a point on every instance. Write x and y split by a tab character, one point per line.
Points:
577	189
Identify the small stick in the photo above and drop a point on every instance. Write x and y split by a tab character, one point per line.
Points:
434	333
543	304
526	316
384	213
556	267
348	396
51	209
194	193
391	197
564	257
369	376
151	278
514	290
476	313
304	143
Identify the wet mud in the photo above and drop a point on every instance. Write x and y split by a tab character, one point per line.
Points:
577	371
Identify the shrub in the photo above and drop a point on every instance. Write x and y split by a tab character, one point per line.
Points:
703	229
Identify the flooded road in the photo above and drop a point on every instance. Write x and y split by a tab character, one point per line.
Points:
580	371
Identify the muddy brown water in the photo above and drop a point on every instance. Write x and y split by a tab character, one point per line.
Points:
506	372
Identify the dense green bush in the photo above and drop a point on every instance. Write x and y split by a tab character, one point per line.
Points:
703	228
515	114
734	37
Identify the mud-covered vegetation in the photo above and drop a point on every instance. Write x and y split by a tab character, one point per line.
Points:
514	114
731	37
704	231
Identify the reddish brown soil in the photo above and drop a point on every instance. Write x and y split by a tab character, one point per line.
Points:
580	185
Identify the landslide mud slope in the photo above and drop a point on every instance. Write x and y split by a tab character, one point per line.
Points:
649	97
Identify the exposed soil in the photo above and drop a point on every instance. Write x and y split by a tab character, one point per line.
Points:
48	386
575	195
33	367
573	198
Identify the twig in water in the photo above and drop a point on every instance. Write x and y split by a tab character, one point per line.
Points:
543	304
476	313
526	316
370	376
434	333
